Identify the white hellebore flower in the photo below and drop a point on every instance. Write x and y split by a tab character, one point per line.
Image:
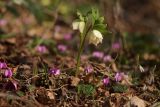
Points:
95	37
78	26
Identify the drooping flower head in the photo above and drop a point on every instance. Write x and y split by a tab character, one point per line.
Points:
106	81
79	25
55	71
95	37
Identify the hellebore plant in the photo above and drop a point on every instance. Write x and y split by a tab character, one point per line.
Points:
91	26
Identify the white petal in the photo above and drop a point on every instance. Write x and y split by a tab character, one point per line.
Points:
95	37
81	26
97	34
75	25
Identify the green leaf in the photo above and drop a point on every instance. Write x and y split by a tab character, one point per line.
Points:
31	88
20	93
13	10
100	27
80	16
86	89
120	88
36	9
100	20
5	36
95	13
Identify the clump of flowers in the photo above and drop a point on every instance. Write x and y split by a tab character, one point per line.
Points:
90	25
7	71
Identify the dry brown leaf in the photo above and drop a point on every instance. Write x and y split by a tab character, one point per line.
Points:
51	95
135	101
126	80
114	67
74	81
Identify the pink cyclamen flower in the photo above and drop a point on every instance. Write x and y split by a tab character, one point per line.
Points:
41	49
88	69
118	76
98	54
3	22
107	58
15	85
67	36
106	81
116	46
8	73
3	65
62	47
57	29
55	71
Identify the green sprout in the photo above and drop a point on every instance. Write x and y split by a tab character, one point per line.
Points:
91	26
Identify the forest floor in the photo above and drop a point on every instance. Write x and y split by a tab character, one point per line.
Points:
37	68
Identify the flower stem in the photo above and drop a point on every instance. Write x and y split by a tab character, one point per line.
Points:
82	42
79	54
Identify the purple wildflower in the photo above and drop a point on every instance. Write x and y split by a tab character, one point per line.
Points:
88	69
8	73
3	22
57	29
118	76
55	71
41	49
98	54
15	85
62	47
67	36
107	58
106	81
3	65
116	46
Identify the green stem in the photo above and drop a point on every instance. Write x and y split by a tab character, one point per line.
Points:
79	54
82	42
